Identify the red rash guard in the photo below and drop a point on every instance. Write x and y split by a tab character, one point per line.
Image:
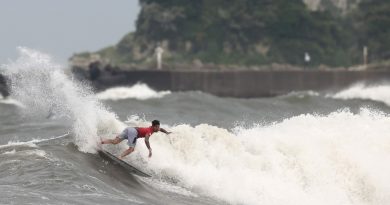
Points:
143	131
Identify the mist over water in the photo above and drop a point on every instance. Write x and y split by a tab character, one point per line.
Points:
301	148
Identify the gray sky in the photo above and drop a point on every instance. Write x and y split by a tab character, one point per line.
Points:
63	27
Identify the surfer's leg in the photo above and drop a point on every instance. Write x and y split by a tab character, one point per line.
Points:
131	141
112	141
117	139
126	152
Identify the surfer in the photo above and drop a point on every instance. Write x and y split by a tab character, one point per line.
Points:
133	133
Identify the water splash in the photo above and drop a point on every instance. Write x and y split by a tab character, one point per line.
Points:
43	88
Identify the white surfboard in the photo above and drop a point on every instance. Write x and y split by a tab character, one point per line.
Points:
124	164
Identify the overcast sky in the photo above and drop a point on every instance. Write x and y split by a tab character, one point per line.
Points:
61	28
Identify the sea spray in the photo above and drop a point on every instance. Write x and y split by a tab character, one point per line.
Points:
44	89
340	158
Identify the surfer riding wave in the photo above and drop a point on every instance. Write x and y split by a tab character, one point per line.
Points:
132	134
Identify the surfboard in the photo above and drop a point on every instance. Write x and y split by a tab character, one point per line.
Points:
124	164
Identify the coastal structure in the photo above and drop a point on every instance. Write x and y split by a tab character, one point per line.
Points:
241	83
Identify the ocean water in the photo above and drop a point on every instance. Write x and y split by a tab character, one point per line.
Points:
301	148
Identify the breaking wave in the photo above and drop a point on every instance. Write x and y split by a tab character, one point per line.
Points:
379	93
340	158
138	91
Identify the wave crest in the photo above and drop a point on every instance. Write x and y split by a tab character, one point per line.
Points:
138	91
379	93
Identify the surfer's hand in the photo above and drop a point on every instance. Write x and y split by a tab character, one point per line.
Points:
150	152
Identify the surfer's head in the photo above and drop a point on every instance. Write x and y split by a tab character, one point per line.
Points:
156	125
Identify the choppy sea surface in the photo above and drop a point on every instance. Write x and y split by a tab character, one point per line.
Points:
300	148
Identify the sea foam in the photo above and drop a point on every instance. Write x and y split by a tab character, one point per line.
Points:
340	158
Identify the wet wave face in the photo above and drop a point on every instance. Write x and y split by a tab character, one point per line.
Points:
302	148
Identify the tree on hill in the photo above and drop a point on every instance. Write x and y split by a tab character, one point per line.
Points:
373	22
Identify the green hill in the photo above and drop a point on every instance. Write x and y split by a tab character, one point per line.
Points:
253	32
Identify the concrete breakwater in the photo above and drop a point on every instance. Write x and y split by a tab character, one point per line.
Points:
243	83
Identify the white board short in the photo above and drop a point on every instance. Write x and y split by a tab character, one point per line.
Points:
130	134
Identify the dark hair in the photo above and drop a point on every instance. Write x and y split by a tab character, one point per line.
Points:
155	122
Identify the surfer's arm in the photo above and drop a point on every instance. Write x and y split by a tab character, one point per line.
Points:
148	145
164	131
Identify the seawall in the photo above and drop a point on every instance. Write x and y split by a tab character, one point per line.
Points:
243	83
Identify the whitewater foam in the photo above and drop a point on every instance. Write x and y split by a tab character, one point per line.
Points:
340	158
138	91
44	88
379	93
